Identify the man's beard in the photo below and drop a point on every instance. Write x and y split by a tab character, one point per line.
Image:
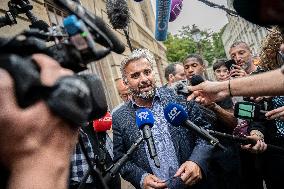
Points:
143	95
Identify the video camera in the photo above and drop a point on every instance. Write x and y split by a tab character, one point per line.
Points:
79	98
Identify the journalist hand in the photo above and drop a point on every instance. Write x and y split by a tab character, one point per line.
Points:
189	172
208	91
35	144
277	113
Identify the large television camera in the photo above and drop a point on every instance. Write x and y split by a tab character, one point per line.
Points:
79	98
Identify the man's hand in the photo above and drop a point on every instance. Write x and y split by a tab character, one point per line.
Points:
208	91
151	181
237	72
259	147
35	143
277	113
189	172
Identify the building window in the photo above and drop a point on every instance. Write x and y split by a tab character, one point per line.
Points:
55	15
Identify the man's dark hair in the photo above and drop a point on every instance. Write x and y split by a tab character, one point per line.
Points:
218	63
198	58
171	69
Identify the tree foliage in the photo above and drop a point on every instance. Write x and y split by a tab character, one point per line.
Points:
210	46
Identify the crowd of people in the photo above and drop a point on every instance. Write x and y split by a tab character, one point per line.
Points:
40	149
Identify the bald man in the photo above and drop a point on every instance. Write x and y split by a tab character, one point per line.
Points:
122	90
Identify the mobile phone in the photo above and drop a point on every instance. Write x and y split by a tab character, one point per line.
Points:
230	64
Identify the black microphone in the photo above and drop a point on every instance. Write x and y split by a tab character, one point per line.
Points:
113	170
144	121
177	116
196	80
266	13
103	35
243	140
118	13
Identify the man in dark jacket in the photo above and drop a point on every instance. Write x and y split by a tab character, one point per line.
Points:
183	155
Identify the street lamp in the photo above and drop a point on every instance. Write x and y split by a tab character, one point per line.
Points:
196	36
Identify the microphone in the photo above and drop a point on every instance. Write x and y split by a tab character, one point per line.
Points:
144	121
196	80
266	13
113	170
175	9
163	8
104	35
243	140
118	13
177	116
103	124
181	86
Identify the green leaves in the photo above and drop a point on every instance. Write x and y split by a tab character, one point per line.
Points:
179	46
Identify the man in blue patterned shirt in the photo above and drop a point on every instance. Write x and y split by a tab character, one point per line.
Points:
183	155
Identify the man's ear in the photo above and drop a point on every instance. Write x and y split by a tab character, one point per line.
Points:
171	77
125	82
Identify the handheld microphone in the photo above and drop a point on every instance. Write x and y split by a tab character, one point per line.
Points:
177	116
113	170
196	80
249	111
181	86
175	9
163	8
118	13
144	121
103	124
243	140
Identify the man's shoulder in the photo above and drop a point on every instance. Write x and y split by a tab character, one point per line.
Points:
122	110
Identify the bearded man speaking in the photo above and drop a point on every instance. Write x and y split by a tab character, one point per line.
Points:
183	156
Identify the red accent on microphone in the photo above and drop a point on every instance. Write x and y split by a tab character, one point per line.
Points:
103	124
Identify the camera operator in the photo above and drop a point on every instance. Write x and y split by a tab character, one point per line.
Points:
35	144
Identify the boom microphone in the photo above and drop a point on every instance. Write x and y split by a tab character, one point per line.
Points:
177	116
144	121
163	8
266	13
118	13
103	124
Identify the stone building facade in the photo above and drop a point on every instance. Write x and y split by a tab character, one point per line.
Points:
141	31
238	29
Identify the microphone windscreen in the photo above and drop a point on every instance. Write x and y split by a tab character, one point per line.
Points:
144	117
176	7
163	8
196	80
118	13
103	124
265	12
41	25
175	114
